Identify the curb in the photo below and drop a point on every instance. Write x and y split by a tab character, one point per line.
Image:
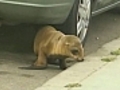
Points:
81	71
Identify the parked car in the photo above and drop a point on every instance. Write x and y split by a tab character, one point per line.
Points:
72	16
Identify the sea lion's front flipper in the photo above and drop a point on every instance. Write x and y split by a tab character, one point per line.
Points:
33	67
62	64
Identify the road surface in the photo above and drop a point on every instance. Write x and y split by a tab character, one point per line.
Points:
16	50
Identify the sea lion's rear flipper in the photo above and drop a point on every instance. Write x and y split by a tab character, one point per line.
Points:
33	67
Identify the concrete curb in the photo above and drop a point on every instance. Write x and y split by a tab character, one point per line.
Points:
81	71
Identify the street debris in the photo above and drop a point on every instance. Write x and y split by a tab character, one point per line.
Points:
97	38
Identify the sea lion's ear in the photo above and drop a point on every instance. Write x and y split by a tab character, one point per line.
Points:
67	44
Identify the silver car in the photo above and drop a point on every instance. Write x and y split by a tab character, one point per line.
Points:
71	16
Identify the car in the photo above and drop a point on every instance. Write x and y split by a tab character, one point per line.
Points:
71	16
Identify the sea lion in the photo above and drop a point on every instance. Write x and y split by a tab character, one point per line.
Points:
51	44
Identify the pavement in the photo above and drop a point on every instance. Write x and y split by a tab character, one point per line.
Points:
16	51
92	74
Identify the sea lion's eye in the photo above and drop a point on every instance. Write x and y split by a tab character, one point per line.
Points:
75	51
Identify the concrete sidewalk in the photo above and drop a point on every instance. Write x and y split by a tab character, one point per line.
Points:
93	74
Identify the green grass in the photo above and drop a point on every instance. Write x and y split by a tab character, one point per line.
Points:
108	59
72	85
117	52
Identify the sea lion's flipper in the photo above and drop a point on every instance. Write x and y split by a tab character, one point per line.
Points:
63	64
33	67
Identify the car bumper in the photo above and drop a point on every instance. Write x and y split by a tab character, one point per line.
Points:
52	12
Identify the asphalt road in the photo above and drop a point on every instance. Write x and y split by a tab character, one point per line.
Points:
16	51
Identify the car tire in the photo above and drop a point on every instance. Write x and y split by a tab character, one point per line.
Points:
70	26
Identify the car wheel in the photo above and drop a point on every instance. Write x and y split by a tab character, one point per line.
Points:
78	20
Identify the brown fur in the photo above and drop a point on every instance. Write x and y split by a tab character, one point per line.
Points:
52	43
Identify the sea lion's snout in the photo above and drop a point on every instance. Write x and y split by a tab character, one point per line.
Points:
77	54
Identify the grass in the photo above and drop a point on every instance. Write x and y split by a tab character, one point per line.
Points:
117	52
72	85
108	59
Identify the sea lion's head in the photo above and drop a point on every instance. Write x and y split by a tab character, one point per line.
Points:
71	47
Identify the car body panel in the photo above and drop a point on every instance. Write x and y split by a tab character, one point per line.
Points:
37	11
45	11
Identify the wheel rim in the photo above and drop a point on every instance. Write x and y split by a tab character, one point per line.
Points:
83	16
